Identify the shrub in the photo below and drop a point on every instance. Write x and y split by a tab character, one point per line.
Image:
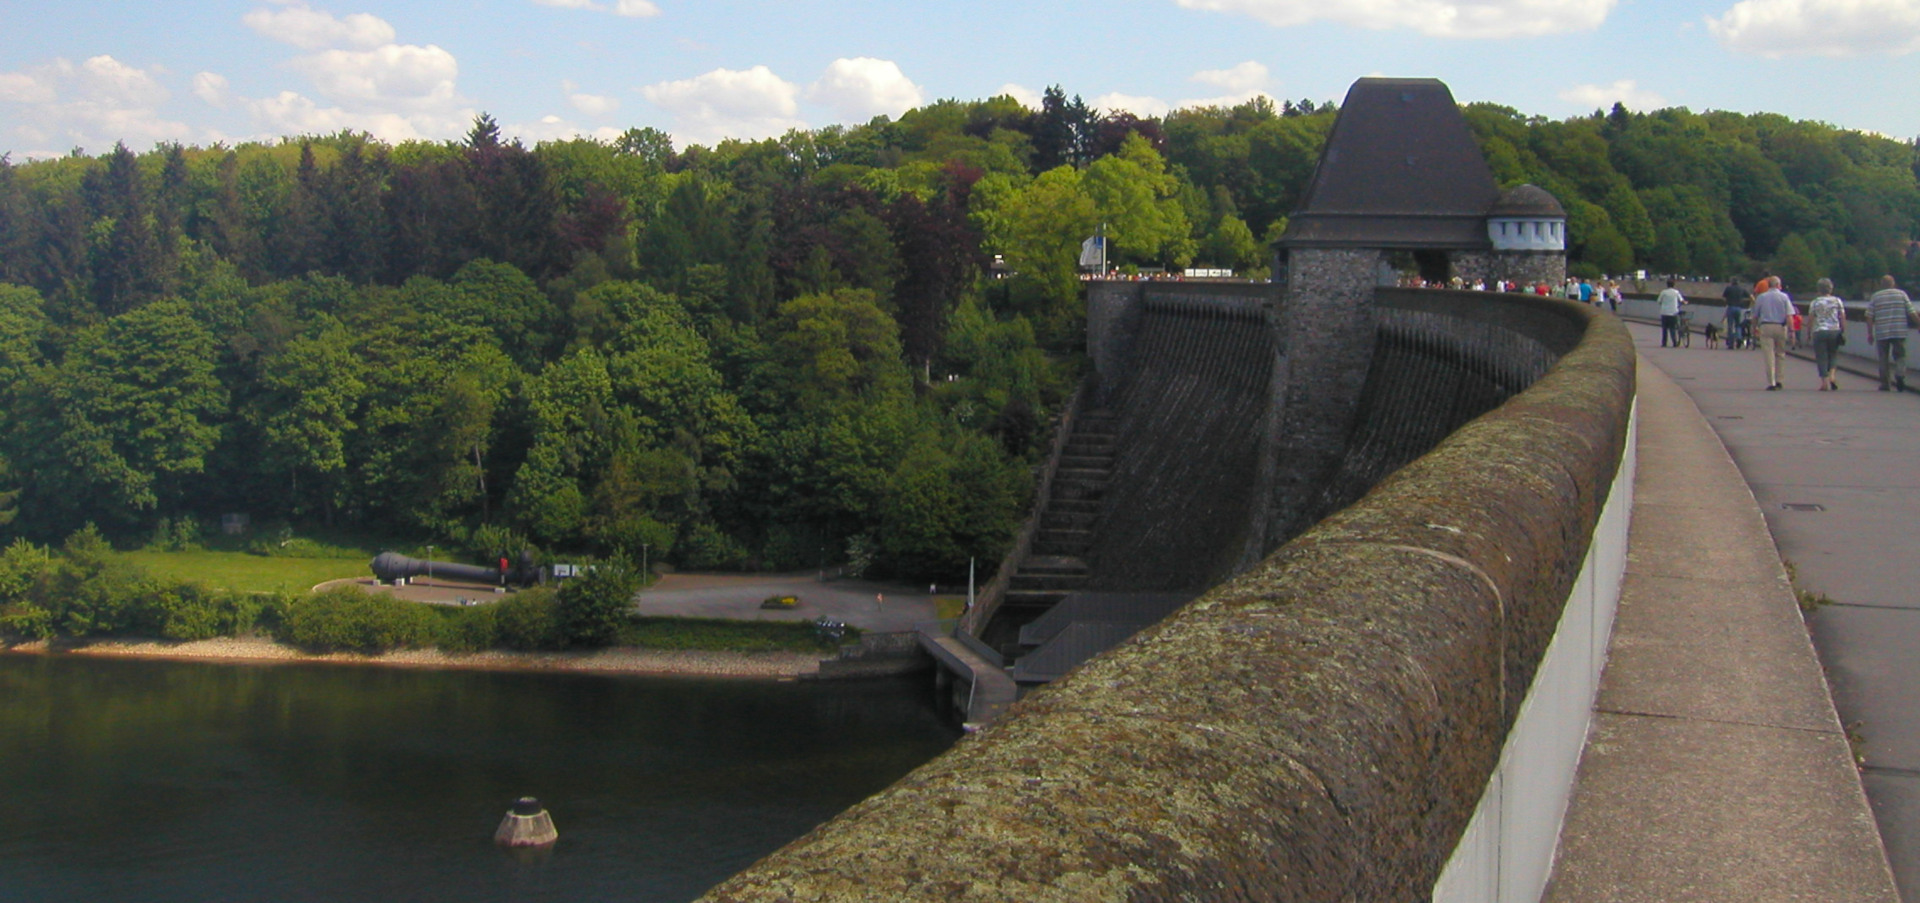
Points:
348	618
594	607
528	620
25	621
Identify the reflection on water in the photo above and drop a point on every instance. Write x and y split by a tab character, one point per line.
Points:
140	780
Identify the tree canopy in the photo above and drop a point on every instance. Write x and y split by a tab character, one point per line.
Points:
754	354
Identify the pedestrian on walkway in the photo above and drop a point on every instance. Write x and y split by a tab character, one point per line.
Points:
1738	300
1889	313
1670	304
1829	317
1773	309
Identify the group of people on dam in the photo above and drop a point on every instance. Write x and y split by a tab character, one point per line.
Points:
1767	317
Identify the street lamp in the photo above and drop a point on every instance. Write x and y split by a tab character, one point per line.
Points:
429	563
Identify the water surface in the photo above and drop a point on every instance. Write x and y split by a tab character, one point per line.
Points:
163	781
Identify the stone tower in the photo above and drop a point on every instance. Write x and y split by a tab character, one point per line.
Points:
1401	179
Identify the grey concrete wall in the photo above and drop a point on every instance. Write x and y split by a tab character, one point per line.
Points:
1320	728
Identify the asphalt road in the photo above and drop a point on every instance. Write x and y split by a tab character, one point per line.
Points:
875	607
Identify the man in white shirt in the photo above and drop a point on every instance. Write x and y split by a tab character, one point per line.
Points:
1670	304
1772	310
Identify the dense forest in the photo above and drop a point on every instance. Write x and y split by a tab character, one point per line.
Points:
840	345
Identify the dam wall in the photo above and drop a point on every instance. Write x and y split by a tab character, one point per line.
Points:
1328	724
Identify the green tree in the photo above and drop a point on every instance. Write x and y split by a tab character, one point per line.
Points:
133	409
951	498
310	391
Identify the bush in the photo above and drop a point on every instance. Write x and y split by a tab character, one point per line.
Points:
593	608
189	611
528	620
25	621
350	619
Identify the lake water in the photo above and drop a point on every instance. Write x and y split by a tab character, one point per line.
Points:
163	781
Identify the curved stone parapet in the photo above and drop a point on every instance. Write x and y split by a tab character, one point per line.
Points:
1318	728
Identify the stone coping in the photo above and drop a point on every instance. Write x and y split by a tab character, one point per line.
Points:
1320	728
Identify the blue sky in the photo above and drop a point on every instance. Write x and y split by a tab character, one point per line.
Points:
84	73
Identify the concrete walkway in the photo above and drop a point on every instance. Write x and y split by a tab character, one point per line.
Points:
1715	768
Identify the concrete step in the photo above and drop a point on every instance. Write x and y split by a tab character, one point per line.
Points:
1049	582
1064	536
1071	461
1053	564
1077	490
1073	506
1091	445
1062	548
1068	520
1031	600
1082	474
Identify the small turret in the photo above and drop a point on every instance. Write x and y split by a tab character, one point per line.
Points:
1527	218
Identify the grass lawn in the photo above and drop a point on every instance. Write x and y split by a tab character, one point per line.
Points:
248	573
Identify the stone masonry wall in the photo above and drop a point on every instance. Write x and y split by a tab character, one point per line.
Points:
1326	326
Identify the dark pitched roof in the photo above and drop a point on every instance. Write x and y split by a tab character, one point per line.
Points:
1400	170
1528	201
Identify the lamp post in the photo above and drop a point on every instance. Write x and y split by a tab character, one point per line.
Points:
429	563
643	563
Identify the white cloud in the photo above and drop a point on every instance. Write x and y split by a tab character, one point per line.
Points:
862	88
554	128
211	87
1836	28
108	79
1248	76
393	74
1437	18
727	103
310	29
590	104
292	113
1143	107
1602	97
1027	97
28	87
632	9
1224	101
91	104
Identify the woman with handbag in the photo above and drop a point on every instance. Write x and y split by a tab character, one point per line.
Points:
1829	318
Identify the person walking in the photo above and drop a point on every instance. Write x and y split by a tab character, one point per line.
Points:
1889	312
1772	310
1829	318
1738	299
1670	304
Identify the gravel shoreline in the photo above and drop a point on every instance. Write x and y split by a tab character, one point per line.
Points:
618	660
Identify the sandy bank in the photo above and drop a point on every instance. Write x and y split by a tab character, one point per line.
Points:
621	660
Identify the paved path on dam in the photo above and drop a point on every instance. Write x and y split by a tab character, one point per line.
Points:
1715	767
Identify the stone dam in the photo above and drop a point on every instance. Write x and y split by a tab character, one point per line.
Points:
1316	591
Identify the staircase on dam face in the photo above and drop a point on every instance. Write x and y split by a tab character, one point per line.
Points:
1057	564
